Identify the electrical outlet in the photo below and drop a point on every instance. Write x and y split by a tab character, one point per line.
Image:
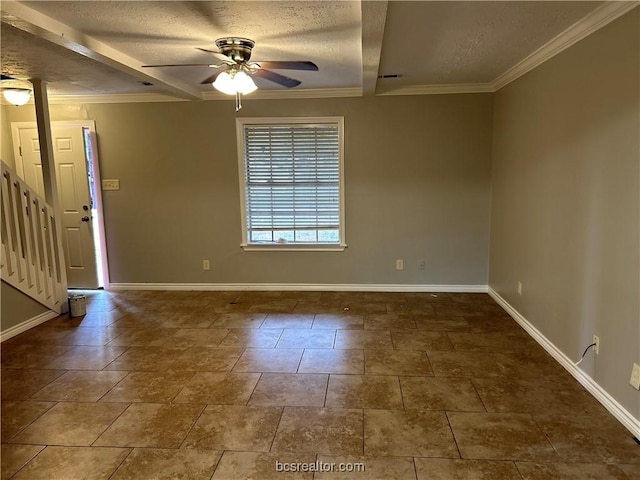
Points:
596	348
399	264
520	288
206	265
635	376
421	265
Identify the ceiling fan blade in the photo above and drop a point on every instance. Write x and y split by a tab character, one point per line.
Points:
210	79
206	50
215	52
183	65
289	65
277	78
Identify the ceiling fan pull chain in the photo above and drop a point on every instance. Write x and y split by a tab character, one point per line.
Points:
238	101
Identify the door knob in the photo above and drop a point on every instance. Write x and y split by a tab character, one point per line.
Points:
85	219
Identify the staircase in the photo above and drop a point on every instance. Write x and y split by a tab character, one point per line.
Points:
31	260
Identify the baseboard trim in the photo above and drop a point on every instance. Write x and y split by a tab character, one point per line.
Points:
610	403
26	325
302	287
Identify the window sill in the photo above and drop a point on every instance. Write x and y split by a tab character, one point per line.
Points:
292	247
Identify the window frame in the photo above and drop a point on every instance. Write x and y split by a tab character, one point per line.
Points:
241	123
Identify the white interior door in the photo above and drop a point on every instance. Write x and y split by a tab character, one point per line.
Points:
73	195
30	168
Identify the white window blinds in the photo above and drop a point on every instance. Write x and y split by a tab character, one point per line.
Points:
292	185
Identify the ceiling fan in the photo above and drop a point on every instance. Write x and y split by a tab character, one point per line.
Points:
234	76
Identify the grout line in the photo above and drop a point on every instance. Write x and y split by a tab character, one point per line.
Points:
5	440
475	388
300	361
254	388
364	429
455	349
237	359
44	447
515	464
545	435
404	406
279	336
264	319
215	467
122	462
114	385
126	349
112	422
277	429
364	361
244	350
415	467
326	390
455	440
204	407
316	459
433	373
193	374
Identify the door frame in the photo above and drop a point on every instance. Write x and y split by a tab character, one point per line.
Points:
95	165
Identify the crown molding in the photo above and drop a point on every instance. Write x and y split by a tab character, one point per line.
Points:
289	94
436	89
597	19
213	95
114	98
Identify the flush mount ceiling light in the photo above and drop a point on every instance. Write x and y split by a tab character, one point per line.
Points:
16	96
234	78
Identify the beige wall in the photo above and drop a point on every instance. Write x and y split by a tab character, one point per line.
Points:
16	307
565	204
417	173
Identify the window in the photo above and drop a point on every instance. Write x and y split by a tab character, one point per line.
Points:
291	183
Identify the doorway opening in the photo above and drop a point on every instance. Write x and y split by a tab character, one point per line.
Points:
96	214
79	194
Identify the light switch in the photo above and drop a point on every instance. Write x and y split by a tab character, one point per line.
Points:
112	184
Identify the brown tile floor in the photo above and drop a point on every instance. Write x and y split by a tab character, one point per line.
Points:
234	385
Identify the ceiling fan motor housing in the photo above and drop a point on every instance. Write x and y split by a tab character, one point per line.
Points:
237	49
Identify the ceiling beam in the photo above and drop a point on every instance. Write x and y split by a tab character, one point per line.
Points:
29	20
374	15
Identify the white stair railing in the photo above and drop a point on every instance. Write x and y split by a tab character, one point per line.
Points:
31	260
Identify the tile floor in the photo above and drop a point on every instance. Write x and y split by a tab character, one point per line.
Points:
222	385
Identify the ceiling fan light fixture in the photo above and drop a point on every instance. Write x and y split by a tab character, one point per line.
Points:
16	96
244	83
224	83
232	83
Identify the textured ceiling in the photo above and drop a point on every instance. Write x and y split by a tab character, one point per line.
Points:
98	47
25	56
325	32
468	42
